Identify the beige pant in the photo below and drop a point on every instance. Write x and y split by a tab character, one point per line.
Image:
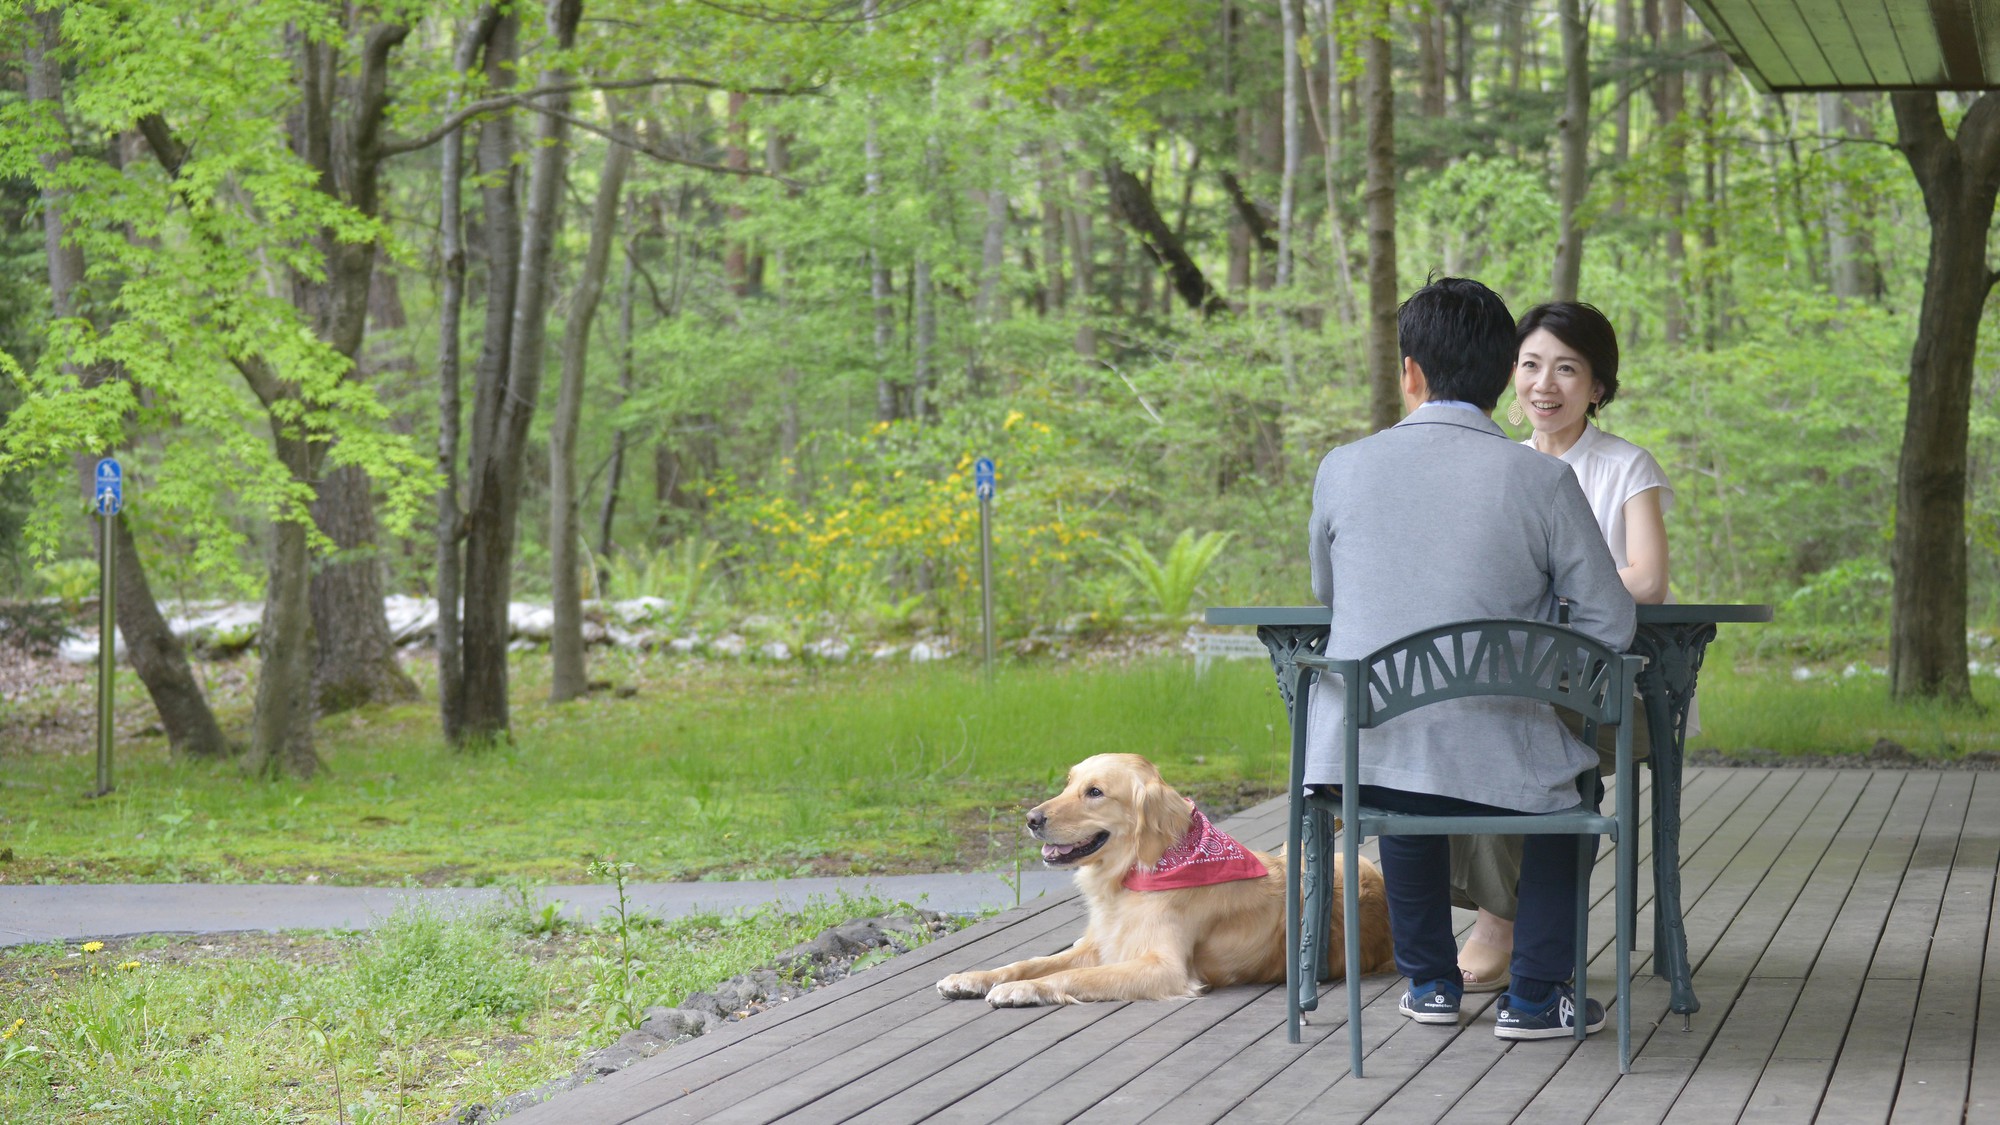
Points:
1486	869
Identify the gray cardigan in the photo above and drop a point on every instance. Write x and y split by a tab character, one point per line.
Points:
1444	518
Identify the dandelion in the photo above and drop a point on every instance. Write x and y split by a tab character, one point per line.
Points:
11	1029
92	946
129	965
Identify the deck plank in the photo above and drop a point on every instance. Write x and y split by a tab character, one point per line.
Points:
1838	922
1937	1074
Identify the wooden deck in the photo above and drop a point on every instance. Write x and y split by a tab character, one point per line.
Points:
1838	922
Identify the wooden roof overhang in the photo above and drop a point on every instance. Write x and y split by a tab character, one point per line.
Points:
1788	46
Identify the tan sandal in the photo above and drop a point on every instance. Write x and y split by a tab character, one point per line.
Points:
1484	967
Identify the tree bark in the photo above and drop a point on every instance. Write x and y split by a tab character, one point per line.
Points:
1960	178
281	734
354	659
1083	264
1135	204
1846	253
451	306
1669	103
1574	128
614	473
156	654
354	662
565	529
1379	109
496	477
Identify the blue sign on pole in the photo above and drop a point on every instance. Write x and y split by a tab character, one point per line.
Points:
982	477
109	492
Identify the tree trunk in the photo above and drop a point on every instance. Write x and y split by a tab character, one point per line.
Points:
354	658
1430	58
567	680
1574	128
451	306
614	473
1844	261
1384	295
1083	264
881	292
496	477
354	661
156	654
1669	103
281	734
1288	185
1135	204
1960	178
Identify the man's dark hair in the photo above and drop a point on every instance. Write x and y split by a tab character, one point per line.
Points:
1584	328
1462	335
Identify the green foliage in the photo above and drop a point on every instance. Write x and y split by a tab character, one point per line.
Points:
1171	582
681	574
70	581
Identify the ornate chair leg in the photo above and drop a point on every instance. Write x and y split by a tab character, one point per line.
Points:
1313	914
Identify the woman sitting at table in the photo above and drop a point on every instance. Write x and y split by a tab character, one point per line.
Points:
1565	371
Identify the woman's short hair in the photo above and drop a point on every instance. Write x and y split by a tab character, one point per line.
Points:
1584	328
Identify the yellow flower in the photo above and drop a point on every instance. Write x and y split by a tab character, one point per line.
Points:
1013	416
12	1028
129	965
92	946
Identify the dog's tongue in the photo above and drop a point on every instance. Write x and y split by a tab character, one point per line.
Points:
1053	852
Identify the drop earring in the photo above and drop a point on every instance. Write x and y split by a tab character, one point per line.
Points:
1517	415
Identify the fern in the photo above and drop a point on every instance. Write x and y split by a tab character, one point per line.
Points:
1171	582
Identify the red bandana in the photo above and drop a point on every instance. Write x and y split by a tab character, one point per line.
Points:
1201	858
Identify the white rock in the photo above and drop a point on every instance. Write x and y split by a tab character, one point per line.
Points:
685	646
758	621
83	649
410	619
923	652
886	652
1802	673
536	622
521	644
831	649
637	611
728	644
776	650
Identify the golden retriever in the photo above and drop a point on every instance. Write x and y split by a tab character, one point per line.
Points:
1116	813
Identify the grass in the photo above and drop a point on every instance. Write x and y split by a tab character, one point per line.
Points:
710	771
396	1025
1757	704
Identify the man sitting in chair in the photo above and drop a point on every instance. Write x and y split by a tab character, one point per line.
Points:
1444	518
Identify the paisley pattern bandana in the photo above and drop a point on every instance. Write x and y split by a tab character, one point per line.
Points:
1201	858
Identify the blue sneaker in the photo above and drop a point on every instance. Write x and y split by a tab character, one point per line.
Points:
1555	1019
1436	1002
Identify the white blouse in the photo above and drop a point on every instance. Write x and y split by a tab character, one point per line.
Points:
1612	471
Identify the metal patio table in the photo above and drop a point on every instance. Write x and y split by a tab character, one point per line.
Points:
1673	639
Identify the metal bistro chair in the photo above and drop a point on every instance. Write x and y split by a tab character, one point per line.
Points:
1493	657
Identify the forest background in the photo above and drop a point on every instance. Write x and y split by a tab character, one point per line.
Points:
717	303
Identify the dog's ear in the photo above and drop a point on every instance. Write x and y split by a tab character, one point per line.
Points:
1164	817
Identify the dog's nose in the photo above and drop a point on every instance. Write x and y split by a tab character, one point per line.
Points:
1036	819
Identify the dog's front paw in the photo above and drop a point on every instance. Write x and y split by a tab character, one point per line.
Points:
1024	994
964	986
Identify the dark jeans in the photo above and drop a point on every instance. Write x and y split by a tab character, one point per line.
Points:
1417	871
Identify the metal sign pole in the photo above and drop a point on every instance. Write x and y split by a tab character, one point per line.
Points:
983	478
109	498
